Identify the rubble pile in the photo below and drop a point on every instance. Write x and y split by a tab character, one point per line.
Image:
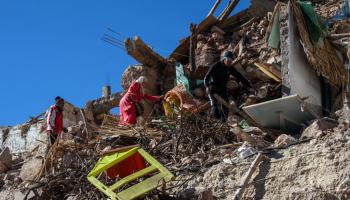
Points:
317	169
249	45
238	159
63	174
204	154
189	137
330	9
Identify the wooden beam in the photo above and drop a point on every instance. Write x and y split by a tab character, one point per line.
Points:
85	125
211	12
193	46
226	13
143	53
238	194
340	35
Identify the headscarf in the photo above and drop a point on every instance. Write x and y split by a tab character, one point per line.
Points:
140	80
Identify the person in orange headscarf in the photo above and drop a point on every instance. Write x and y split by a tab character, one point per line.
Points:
134	95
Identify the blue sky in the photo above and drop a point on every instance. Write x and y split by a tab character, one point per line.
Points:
50	48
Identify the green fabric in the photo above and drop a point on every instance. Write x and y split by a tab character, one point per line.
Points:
180	77
244	124
316	27
274	38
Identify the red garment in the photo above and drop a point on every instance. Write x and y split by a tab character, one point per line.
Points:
127	166
55	120
127	103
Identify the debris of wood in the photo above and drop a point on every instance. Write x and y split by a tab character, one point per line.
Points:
223	16
238	194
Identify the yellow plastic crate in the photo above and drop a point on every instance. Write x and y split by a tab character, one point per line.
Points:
136	190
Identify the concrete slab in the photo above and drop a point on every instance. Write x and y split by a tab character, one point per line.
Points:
287	113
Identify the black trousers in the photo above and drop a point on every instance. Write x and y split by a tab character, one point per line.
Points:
51	139
218	110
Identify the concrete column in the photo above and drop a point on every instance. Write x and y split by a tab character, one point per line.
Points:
106	91
302	77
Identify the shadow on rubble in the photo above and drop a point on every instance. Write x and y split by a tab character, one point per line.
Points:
260	179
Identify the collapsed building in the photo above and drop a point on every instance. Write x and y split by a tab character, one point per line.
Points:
268	53
297	121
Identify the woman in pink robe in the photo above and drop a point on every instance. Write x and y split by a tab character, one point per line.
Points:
134	95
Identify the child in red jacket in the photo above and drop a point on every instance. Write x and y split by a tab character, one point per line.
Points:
54	121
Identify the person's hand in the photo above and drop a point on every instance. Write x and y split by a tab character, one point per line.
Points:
161	97
65	130
209	90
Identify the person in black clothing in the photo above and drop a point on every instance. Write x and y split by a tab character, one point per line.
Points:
216	80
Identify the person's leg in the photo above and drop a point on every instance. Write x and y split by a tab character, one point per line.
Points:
214	107
224	114
51	138
224	110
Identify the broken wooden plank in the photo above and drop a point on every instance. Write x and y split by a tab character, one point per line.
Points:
120	149
143	53
35	119
85	125
226	146
226	13
238	194
269	70
340	35
193	46
211	12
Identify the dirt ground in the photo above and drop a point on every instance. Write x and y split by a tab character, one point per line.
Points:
318	169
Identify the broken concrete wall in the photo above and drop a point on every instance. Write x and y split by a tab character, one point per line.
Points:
20	142
302	77
29	137
71	115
